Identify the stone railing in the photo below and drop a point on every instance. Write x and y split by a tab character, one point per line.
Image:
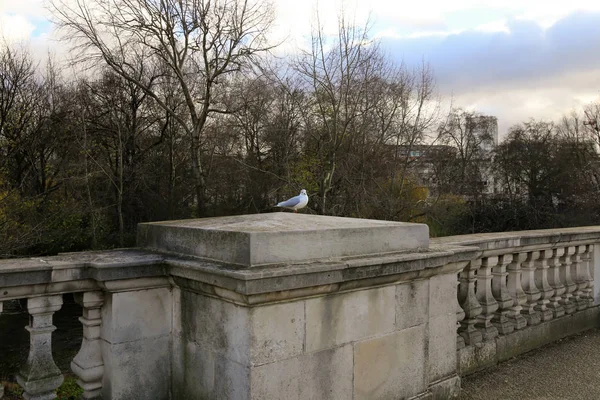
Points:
297	306
523	290
97	280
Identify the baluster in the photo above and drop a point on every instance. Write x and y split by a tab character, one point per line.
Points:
1	386
88	364
468	302
554	280
579	278
40	376
502	296
586	259
516	291
460	315
566	278
541	282
486	298
533	294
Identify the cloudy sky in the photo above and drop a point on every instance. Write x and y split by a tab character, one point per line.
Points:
514	59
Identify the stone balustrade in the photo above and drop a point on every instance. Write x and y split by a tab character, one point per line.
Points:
523	290
297	306
95	278
1	386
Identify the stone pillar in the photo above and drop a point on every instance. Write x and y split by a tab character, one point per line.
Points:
566	278
502	296
554	280
531	291
541	282
468	302
138	324
595	271
460	315
516	291
40	376
586	262
485	297
580	279
1	386
88	364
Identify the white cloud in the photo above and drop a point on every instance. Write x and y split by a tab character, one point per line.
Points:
495	26
512	58
30	8
15	28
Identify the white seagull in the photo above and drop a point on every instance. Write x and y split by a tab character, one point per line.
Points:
296	202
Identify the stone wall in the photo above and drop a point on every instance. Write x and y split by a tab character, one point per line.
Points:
136	344
392	341
374	321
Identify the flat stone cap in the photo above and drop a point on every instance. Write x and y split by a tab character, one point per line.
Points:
281	238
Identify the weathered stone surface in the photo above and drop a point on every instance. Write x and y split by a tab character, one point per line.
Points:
441	359
277	332
321	375
193	371
445	389
135	315
318	319
260	239
477	357
207	374
412	303
137	370
221	326
39	376
442	294
506	240
338	319
391	366
595	272
87	364
539	335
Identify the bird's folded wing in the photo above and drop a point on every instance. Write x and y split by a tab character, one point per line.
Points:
289	203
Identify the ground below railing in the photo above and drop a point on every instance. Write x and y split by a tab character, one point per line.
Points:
567	369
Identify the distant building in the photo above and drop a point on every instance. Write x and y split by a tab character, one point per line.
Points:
486	128
433	167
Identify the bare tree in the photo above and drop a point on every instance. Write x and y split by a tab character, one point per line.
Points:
472	135
338	72
194	44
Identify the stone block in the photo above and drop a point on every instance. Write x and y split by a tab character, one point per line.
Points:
477	357
321	375
443	295
137	370
445	389
391	366
275	238
195	378
412	304
134	315
209	375
343	318
216	324
441	360
532	337
520	342
277	332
